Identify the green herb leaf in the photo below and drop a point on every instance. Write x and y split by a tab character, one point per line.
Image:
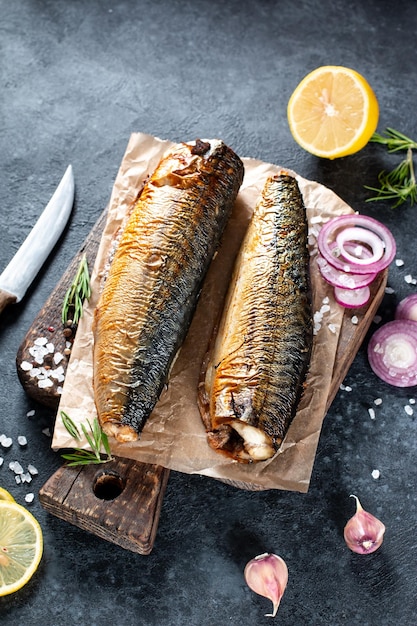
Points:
96	439
394	140
70	426
400	183
80	290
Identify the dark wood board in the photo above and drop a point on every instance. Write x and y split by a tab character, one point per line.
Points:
119	501
126	509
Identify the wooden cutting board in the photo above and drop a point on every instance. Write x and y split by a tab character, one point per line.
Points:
121	501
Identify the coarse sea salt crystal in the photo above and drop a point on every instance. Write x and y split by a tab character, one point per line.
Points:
58	356
408	409
32	469
318	316
354	319
375	474
345	387
21	440
389	290
29	497
371	412
40	341
316	219
332	328
6	442
378	401
410	280
26	366
16	467
399	262
46	382
411	401
58	373
1	461
30	413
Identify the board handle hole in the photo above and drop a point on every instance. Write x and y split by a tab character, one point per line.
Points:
108	485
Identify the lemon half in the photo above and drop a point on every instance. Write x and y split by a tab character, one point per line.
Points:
333	112
21	546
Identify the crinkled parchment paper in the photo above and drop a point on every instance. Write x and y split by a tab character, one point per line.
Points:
174	436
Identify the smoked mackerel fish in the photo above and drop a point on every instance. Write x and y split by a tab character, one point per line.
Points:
154	279
254	373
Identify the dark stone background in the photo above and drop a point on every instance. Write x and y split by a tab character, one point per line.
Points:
77	77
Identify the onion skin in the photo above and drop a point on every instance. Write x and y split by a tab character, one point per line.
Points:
363	533
267	575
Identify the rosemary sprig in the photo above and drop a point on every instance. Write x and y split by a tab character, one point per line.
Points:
96	439
79	290
394	140
400	183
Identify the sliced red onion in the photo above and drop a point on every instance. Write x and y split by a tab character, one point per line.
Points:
352	298
358	236
344	280
392	353
407	308
334	255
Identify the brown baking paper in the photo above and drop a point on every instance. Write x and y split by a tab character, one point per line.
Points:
174	435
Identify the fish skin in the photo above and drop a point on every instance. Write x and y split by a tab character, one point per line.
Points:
254	372
154	280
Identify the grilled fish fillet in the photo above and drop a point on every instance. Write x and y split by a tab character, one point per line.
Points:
255	369
154	279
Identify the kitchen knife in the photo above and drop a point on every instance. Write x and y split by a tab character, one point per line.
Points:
33	252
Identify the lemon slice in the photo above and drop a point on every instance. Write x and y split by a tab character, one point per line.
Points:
5	495
333	112
21	546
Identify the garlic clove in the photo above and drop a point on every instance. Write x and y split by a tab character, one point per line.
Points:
363	533
267	575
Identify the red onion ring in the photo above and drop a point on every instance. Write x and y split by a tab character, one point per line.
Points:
330	230
352	298
344	280
392	353
407	308
361	236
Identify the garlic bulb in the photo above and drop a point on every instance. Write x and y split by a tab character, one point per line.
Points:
363	533
267	575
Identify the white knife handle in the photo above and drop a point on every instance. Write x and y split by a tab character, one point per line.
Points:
6	299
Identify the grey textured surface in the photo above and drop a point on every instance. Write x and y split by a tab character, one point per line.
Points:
77	77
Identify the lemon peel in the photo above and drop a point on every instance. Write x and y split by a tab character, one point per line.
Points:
5	495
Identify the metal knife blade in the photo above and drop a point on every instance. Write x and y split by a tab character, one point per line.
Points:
26	263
